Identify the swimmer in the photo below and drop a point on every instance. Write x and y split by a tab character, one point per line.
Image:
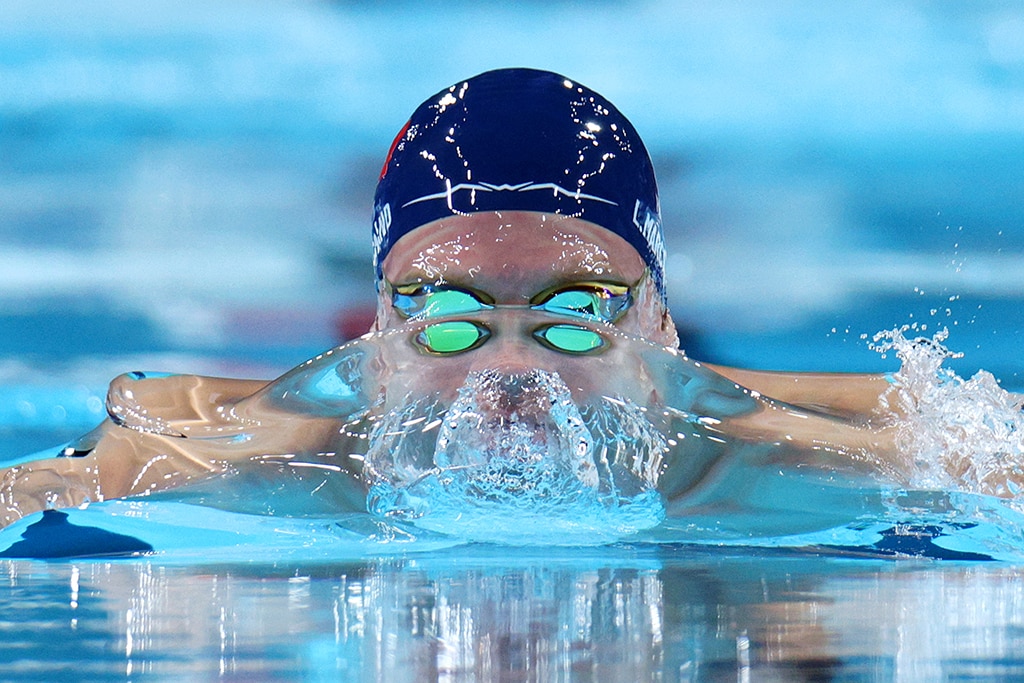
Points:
518	250
518	184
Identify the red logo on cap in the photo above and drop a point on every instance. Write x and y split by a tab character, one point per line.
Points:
394	144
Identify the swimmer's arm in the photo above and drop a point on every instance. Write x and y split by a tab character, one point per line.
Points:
165	432
108	462
823	412
852	396
140	449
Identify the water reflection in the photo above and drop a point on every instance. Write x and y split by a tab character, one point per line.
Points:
602	615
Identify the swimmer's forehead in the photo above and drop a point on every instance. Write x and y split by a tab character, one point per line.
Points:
513	253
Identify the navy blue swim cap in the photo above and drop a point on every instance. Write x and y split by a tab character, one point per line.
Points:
520	139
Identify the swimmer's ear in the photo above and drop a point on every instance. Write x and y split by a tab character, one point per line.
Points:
669	331
654	319
384	310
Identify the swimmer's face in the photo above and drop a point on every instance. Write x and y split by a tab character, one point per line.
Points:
551	307
512	256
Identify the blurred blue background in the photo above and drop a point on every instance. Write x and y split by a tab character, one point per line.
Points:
186	186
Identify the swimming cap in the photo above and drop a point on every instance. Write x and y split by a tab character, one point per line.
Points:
520	139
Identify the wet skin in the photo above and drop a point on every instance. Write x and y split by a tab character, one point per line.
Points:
513	255
509	257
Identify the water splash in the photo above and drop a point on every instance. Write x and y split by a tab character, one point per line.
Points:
515	460
954	433
515	432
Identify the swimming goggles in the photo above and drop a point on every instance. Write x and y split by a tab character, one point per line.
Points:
591	301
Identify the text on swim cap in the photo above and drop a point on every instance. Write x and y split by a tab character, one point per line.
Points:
650	228
381	226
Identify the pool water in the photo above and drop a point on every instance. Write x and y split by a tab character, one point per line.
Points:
481	614
188	190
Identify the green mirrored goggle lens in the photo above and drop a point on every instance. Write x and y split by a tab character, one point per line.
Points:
459	336
589	300
455	336
570	339
427	301
592	301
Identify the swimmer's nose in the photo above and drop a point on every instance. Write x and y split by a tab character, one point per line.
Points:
513	355
523	396
508	391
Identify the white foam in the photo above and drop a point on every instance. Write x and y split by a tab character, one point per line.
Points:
960	434
515	460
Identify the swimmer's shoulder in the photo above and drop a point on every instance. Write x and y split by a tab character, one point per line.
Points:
155	401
